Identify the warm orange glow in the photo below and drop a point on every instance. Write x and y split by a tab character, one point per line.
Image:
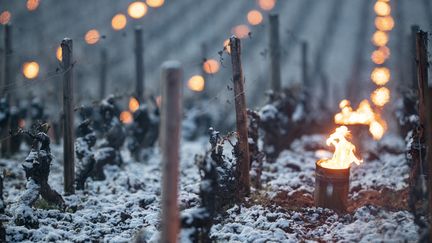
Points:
266	4
126	117
380	55
133	104
196	83
137	10
155	3
364	115
59	54
31	69
241	31
384	23
382	8
380	38
21	123
380	75
119	21
92	37
226	45
32	4
254	17
380	96
159	101
211	66
5	17
343	155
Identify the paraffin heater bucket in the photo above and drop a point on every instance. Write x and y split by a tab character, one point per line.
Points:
331	187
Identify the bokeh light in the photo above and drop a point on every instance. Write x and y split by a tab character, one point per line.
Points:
92	36
119	21
380	55
266	4
380	75
211	66
137	10
380	96
126	117
196	83
382	8
30	69
380	38
32	4
226	46
59	53
384	23
241	31
155	3
254	17
133	104
5	17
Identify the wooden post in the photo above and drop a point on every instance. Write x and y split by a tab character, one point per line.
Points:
139	63
304	64
7	81
413	43
275	53
68	126
171	115
103	73
241	117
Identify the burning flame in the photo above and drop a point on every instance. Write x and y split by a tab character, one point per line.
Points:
211	66
364	115
31	69
266	4
126	117
137	10
133	104
380	75
241	31
344	150
196	83
380	96
92	37
384	23
5	17
59	54
254	17
119	21
382	8
155	3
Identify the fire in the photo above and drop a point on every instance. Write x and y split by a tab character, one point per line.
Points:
92	36
241	31
32	4
380	96
5	17
364	115
226	45
137	10
133	104
196	83
31	69
380	75
382	8
126	117
384	23
380	38
119	21
266	4
59	54
155	3
344	150
211	66
254	17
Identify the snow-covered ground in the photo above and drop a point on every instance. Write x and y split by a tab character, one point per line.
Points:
116	209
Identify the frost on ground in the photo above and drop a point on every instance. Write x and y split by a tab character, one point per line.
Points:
128	201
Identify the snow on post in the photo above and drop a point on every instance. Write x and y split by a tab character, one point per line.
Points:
68	100
170	141
139	63
274	46
241	117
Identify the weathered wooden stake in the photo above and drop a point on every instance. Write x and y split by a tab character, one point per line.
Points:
304	64
68	126
7	81
413	43
241	117
275	53
103	73
171	114
139	63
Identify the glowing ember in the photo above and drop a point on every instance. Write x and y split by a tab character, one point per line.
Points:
254	17
380	75
196	83
344	150
133	104
226	45
126	117
382	8
155	3
380	38
384	23
380	96
241	31
119	21
92	37
59	54
137	10
5	17
364	115
266	4
32	4
211	66
30	70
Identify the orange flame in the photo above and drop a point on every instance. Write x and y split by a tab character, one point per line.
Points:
380	75
380	96
364	115
126	117
344	150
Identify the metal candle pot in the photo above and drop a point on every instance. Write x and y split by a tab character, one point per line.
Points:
331	187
